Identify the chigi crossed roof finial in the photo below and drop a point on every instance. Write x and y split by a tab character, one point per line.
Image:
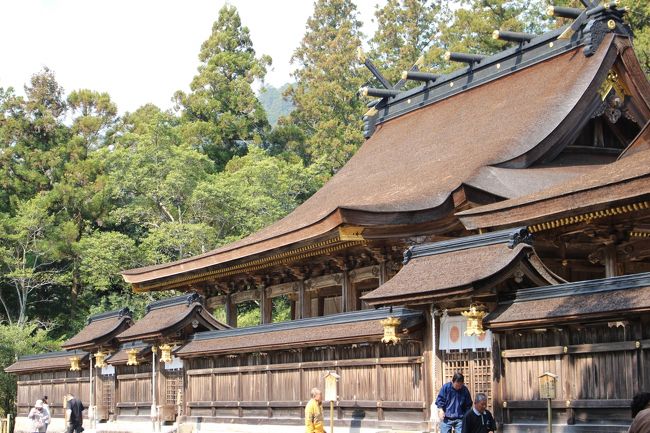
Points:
589	28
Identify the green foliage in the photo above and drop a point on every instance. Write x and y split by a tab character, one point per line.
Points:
274	103
252	192
469	28
103	255
406	30
221	113
638	17
16	341
328	77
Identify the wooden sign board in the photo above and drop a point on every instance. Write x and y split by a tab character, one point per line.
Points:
547	385
331	380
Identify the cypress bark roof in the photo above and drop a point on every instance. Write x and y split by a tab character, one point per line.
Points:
169	316
584	300
408	170
46	361
458	266
100	330
625	179
359	326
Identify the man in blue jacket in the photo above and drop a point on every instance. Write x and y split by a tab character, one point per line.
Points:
453	401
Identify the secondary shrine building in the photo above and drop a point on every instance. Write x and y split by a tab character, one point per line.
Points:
496	222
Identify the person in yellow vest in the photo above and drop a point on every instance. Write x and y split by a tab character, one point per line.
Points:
314	412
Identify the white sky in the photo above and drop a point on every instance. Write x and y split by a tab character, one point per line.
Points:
140	51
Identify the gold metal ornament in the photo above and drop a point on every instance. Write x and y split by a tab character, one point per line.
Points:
74	363
474	317
133	357
165	353
390	325
100	359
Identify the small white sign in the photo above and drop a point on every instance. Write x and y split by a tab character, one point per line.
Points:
176	364
108	370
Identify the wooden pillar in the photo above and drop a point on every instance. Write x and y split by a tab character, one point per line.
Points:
611	264
347	296
231	311
320	306
266	306
304	301
383	275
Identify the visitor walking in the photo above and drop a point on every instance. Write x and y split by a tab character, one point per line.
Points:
74	412
46	411
314	413
454	400
37	416
478	419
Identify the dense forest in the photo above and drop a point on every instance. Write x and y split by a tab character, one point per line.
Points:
85	192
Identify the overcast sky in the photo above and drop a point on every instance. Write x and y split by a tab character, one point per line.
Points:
140	51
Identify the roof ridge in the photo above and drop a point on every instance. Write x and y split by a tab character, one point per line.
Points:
187	299
333	319
511	237
56	354
110	314
586	287
589	29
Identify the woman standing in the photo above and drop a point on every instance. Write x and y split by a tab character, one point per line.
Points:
38	417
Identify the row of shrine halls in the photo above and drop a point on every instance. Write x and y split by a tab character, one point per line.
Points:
496	222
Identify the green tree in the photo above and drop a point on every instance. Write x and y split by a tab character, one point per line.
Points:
469	28
26	267
221	114
405	31
16	341
252	192
176	240
327	80
151	175
31	134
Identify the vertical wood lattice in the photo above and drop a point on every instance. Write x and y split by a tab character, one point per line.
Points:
173	384
476	366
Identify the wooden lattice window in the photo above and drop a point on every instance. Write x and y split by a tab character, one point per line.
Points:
108	391
173	384
476	366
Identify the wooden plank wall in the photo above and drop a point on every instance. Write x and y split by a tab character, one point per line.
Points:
378	382
54	384
600	366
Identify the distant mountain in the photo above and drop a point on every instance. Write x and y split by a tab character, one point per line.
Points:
273	102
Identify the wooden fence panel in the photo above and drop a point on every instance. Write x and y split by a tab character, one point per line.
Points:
285	385
358	383
200	387
402	382
227	387
254	386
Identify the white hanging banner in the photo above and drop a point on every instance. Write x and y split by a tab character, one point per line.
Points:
452	335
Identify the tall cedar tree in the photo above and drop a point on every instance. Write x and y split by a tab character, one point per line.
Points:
406	30
328	77
221	114
470	27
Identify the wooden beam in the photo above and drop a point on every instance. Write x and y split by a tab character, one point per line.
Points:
216	301
365	273
245	296
323	281
281	289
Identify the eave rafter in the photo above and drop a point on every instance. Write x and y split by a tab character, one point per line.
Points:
345	238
